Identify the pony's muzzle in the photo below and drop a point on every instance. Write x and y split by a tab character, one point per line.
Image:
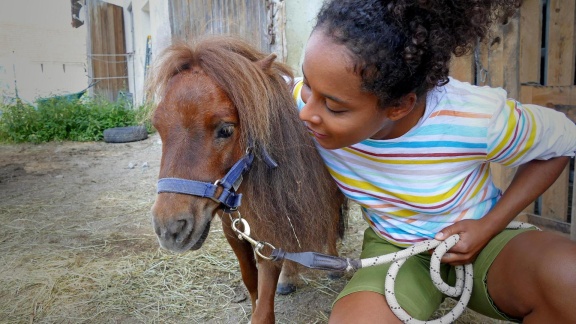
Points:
178	228
174	233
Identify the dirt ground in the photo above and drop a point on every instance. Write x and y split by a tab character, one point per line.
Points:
76	246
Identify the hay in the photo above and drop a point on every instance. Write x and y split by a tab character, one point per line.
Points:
83	285
83	251
76	246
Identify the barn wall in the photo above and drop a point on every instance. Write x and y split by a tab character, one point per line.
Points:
40	50
246	18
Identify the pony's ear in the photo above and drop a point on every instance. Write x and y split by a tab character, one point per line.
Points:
266	63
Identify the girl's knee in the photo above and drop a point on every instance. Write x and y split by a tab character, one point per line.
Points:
362	307
557	267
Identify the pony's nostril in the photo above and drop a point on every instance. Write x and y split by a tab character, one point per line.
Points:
177	229
176	226
174	231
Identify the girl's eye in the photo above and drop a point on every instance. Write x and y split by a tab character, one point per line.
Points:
333	111
336	111
225	131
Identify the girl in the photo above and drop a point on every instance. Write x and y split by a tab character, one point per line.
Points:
412	147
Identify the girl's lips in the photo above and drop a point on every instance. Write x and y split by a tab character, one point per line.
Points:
317	135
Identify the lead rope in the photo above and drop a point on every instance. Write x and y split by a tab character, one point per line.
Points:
464	274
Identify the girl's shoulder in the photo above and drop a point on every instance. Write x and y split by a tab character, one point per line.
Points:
458	96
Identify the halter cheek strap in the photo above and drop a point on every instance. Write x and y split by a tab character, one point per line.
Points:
229	183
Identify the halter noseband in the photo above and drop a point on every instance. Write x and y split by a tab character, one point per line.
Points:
229	198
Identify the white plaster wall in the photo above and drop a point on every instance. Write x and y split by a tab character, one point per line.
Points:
141	20
300	18
42	55
160	26
40	51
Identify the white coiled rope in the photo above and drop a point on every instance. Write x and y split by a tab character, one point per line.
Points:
464	275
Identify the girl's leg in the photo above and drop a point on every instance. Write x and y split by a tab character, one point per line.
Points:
362	307
534	278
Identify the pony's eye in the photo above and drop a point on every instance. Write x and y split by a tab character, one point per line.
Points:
225	131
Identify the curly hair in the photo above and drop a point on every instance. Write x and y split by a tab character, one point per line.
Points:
403	46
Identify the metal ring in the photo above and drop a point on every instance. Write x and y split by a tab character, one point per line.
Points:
258	248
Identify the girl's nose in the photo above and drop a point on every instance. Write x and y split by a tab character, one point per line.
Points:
308	113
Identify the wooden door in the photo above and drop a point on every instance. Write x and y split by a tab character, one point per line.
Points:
107	61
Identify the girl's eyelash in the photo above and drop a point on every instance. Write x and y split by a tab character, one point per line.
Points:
335	112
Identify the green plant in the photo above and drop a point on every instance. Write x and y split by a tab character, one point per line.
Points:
60	118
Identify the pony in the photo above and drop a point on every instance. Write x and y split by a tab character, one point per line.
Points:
221	101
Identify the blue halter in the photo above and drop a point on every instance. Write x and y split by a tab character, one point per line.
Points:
229	183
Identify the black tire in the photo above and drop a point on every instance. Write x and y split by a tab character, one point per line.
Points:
125	134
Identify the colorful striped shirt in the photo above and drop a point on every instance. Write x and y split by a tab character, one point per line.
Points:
411	187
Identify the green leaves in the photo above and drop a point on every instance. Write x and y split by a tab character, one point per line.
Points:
59	119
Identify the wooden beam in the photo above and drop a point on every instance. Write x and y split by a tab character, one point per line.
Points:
510	60
561	98
276	18
560	45
546	223
462	68
530	40
573	215
555	199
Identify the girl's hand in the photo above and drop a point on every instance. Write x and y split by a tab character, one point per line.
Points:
473	238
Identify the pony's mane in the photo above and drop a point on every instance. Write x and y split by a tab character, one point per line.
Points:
296	199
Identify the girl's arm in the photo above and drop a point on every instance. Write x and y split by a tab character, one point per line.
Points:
529	182
539	141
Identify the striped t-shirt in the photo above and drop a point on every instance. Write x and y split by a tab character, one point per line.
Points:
411	187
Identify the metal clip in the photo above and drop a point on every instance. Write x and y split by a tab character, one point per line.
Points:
245	235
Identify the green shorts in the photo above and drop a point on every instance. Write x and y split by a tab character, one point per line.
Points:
414	289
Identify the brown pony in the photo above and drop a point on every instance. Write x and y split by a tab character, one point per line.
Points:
219	98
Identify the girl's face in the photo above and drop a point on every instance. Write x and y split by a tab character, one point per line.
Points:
337	111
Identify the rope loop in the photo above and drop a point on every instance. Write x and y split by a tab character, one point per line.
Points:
464	275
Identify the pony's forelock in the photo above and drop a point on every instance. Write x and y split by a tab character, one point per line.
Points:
231	63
